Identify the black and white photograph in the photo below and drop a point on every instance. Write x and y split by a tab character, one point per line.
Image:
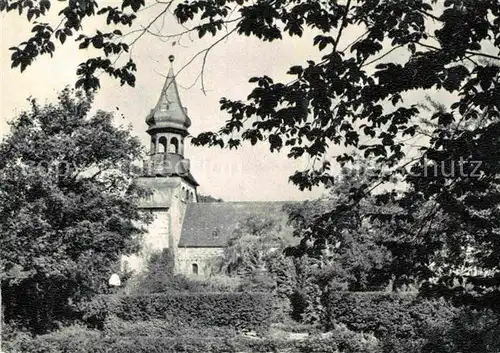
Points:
250	176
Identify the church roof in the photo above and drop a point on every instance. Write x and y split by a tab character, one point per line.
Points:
212	224
169	114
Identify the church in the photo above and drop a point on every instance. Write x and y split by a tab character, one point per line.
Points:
195	232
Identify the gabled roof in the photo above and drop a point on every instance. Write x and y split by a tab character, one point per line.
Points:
212	224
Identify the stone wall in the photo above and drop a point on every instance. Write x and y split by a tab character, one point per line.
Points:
155	240
189	259
165	230
181	196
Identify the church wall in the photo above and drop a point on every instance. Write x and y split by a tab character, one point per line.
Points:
155	240
184	194
157	237
201	257
177	212
165	230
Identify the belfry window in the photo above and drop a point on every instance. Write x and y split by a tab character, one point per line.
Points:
194	269
162	145
174	145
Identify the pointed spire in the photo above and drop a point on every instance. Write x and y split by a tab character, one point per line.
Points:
169	113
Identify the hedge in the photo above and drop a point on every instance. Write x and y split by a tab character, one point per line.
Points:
388	314
92	343
162	328
239	310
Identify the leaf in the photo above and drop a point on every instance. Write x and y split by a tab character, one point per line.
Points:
295	70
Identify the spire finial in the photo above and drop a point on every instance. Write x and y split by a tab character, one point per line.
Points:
171	58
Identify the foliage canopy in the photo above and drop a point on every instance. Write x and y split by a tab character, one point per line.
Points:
68	208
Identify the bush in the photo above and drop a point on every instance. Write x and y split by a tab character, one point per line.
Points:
71	339
88	341
239	310
392	315
158	274
291	326
143	344
472	331
161	328
148	284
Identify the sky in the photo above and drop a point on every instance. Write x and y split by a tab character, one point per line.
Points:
251	173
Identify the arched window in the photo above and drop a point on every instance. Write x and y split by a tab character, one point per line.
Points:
194	269
162	148
187	195
174	145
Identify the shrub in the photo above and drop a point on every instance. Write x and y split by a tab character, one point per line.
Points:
348	341
81	340
163	283
392	315
51	343
18	342
192	344
220	283
238	310
161	328
291	326
71	339
471	331
158	274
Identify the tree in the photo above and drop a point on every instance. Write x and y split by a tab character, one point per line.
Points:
68	208
208	198
354	255
356	97
250	244
254	254
158	275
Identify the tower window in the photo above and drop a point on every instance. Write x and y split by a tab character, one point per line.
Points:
174	145
162	145
194	269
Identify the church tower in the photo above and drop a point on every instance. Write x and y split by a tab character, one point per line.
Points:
166	172
168	125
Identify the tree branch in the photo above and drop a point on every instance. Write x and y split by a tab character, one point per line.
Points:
430	15
382	56
343	25
466	52
146	29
